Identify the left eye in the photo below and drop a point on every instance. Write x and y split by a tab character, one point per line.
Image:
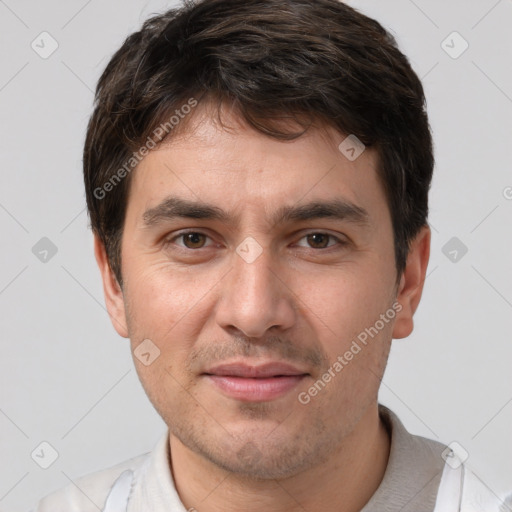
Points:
320	240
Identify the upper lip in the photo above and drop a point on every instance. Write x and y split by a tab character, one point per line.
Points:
239	369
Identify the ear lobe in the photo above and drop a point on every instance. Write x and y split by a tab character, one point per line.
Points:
411	283
114	298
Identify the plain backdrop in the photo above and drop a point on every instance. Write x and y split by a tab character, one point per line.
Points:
67	378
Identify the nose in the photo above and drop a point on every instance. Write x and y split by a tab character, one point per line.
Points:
255	297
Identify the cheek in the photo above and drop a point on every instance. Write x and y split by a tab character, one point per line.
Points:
345	303
160	296
162	309
355	340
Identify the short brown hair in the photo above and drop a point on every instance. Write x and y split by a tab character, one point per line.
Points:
271	59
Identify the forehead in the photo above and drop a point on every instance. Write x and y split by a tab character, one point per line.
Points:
236	167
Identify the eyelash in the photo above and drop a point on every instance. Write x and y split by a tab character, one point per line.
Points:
339	241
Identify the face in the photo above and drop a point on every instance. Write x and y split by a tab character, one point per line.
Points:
263	274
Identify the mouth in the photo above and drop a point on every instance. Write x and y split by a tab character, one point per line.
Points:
251	383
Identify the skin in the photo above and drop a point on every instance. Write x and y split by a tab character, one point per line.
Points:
303	300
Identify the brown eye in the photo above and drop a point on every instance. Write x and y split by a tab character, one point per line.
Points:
193	240
318	240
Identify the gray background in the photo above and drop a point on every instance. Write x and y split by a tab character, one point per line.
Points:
67	378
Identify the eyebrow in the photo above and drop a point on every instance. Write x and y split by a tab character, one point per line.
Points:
174	207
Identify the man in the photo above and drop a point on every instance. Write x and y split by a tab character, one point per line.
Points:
257	179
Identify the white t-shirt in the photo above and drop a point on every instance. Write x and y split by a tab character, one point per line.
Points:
417	479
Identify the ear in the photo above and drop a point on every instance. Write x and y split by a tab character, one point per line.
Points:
113	294
411	283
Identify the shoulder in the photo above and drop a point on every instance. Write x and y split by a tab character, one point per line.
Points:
443	477
89	492
462	490
476	496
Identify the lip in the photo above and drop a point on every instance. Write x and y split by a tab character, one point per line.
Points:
242	369
255	383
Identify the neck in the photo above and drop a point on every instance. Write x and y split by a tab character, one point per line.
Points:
343	483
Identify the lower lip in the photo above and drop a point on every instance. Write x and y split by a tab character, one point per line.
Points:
255	390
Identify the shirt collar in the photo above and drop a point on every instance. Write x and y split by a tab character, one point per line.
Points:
413	472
